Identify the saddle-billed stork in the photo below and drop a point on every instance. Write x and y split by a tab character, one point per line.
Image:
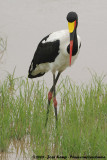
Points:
56	52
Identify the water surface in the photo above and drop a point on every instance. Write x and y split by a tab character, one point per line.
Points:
26	22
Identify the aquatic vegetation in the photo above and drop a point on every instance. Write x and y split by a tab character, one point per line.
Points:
82	117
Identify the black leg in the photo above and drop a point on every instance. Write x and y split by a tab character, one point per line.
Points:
55	81
50	96
54	97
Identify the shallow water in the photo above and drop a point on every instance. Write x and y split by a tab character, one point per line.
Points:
25	23
18	150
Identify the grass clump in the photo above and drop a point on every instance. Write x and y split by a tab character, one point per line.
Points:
82	117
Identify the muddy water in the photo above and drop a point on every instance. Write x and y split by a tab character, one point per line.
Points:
25	22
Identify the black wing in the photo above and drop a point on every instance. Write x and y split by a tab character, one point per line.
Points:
46	52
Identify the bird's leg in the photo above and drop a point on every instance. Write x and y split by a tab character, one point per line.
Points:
50	96
52	88
57	77
54	97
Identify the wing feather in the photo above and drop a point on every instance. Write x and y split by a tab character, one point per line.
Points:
45	52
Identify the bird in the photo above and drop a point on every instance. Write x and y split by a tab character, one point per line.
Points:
55	53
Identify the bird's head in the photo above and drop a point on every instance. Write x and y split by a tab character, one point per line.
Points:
72	19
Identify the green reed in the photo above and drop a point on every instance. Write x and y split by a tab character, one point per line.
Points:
82	117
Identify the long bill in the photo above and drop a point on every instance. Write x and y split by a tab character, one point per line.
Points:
71	26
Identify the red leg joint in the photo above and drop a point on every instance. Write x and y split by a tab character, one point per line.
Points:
55	102
49	96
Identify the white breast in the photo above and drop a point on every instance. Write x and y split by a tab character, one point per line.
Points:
62	60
